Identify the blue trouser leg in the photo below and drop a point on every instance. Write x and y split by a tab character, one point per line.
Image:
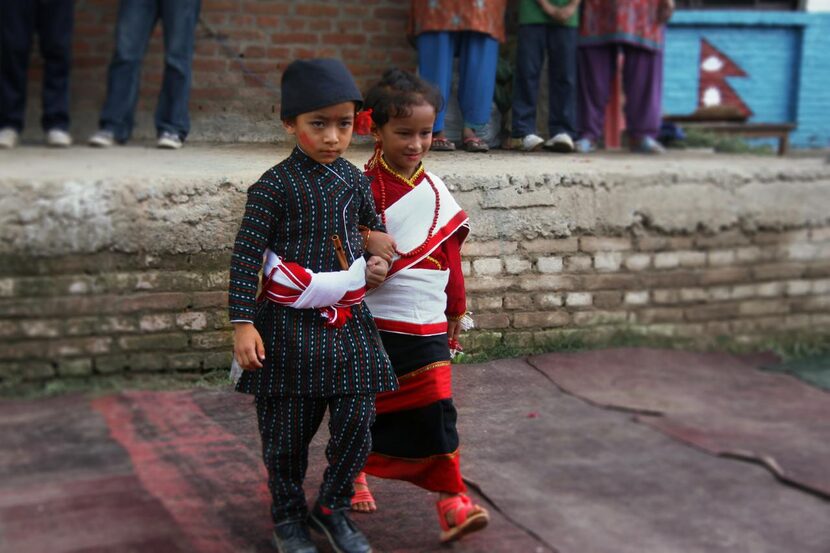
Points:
478	57
436	51
562	80
54	27
17	24
530	55
179	18
136	19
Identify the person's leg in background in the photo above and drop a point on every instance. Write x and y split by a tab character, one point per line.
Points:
561	46
54	27
179	18
643	85
478	57
596	65
136	19
530	56
436	51
17	26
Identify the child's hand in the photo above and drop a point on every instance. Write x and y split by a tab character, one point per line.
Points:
381	244
453	329
376	269
247	346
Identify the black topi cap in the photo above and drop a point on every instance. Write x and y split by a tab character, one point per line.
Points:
316	83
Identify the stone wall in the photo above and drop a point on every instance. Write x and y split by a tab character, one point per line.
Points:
103	275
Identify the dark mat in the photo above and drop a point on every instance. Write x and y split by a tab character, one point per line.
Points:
66	486
180	471
718	402
814	369
175	471
588	480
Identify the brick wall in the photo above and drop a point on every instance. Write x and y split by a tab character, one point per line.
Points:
732	284
118	313
241	48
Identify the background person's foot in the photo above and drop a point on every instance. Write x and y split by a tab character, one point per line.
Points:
584	146
648	145
530	142
169	141
58	138
561	143
101	139
442	144
8	138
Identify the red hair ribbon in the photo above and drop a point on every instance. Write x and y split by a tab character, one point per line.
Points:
363	122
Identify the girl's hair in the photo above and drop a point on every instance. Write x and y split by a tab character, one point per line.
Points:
396	93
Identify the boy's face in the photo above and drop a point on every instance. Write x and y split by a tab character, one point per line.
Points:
324	134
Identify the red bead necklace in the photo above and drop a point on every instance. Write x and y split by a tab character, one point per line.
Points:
419	249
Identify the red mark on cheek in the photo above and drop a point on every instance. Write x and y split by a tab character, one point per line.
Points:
305	140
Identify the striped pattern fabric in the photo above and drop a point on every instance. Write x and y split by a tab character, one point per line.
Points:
294	209
287	425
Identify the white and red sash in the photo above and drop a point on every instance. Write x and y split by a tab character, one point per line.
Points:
413	301
334	293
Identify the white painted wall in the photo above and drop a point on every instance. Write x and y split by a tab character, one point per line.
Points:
817	6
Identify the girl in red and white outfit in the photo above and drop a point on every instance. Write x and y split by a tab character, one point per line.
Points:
420	308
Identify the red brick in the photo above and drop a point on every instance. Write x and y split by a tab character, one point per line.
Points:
317	10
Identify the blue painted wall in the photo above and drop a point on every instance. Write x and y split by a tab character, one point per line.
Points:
786	56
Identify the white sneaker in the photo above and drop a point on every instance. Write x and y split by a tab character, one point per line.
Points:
169	141
529	142
8	137
101	139
562	142
58	138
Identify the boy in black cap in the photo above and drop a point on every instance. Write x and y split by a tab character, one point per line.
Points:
310	343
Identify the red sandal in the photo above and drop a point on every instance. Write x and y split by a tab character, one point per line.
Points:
442	144
475	144
466	516
364	495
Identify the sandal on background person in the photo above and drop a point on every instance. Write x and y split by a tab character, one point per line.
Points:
441	143
475	144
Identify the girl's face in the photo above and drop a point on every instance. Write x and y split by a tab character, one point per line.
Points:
406	140
324	134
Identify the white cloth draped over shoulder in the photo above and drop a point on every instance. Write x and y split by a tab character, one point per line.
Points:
413	301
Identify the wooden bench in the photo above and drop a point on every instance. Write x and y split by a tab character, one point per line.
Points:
752	130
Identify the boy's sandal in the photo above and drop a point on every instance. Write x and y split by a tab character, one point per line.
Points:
475	144
363	495
466	517
442	144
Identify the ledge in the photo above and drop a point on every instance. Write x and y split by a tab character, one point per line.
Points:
134	199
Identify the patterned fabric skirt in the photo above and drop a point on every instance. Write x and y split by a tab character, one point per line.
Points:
414	436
